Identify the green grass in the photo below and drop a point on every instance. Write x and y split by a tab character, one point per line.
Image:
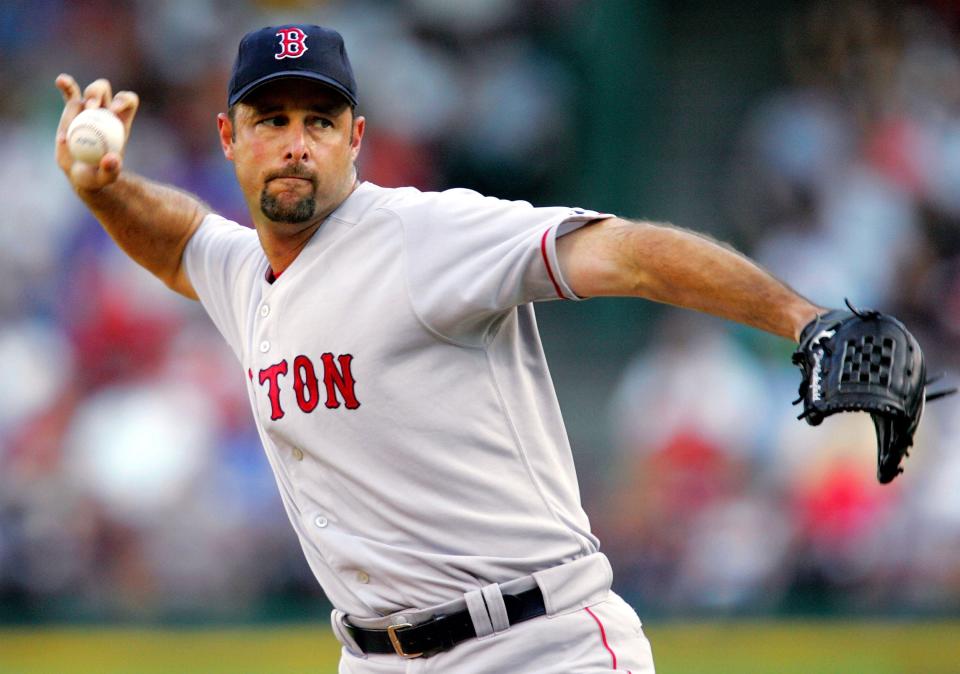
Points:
679	648
807	648
281	650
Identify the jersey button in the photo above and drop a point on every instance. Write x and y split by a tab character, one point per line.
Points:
264	310
363	577
264	346
321	521
298	454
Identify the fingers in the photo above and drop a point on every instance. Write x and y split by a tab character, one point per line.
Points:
125	105
98	94
68	87
72	104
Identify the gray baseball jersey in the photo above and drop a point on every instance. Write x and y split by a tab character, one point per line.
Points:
401	392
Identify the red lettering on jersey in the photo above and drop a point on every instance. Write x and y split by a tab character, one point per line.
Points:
273	374
340	379
292	43
305	384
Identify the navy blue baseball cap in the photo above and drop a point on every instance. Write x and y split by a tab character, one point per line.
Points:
294	50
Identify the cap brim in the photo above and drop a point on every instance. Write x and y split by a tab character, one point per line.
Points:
288	74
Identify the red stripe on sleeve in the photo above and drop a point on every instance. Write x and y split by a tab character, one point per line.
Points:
546	261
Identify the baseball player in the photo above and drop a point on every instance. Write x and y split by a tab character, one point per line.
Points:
394	368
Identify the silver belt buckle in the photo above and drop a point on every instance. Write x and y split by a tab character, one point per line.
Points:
395	640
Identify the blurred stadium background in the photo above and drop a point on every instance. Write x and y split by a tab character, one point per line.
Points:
822	138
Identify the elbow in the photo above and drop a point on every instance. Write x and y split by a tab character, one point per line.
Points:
174	274
626	269
607	258
176	279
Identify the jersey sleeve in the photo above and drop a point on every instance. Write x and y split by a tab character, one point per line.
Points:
221	260
470	258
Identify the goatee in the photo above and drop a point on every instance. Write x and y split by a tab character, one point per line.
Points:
301	211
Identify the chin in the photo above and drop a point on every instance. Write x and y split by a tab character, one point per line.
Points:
275	210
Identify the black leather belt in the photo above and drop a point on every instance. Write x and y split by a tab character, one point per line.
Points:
442	632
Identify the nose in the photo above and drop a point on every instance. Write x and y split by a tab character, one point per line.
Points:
297	149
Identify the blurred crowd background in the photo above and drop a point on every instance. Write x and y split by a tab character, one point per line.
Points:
820	137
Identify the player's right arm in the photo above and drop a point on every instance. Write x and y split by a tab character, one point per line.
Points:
151	222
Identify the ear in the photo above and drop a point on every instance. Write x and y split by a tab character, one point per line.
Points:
225	128
356	138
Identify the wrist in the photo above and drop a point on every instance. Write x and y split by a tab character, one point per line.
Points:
803	315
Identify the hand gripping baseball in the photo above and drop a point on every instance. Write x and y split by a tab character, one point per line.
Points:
865	361
82	175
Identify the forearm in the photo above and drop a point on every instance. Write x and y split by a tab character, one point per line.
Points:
151	222
682	268
685	269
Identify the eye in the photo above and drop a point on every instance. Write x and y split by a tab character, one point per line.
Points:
273	120
323	122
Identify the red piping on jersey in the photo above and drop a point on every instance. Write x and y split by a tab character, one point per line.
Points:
603	636
546	261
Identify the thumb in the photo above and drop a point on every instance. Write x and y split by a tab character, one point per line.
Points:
110	165
90	178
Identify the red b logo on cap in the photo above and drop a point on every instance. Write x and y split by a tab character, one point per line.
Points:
291	43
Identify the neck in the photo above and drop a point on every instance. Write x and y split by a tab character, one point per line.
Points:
282	242
283	245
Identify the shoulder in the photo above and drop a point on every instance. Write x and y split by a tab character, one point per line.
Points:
218	238
412	205
214	224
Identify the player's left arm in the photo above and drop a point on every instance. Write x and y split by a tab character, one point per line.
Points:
615	257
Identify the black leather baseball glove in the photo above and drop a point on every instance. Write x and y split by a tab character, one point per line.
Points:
858	360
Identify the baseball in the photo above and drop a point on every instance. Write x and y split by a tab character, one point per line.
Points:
93	133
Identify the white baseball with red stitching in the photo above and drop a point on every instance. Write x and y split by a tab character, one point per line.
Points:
94	133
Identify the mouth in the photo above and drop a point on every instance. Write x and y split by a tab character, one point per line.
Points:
290	185
291	179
